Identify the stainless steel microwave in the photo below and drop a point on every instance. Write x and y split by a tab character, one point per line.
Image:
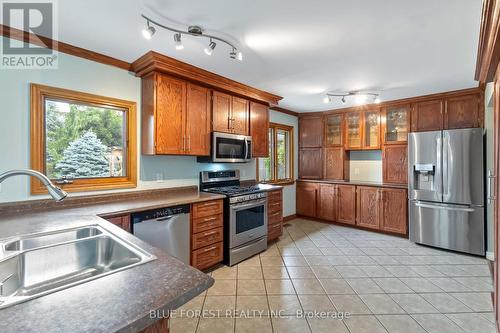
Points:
229	148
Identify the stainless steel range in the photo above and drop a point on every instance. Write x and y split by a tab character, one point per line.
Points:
245	214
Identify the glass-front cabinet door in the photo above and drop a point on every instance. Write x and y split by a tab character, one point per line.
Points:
353	130
371	130
334	130
396	124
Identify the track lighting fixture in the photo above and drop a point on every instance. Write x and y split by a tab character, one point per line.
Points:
178	42
148	32
194	31
210	48
361	97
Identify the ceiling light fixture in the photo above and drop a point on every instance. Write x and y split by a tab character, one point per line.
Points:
178	42
361	97
194	31
210	48
148	32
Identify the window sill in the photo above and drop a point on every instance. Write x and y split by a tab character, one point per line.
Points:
279	182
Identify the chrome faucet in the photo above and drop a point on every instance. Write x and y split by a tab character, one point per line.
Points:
56	193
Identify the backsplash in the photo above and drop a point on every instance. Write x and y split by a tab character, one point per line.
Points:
365	166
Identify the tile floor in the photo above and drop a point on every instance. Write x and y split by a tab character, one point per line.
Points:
387	284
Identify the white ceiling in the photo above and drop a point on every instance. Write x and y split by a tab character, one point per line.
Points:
299	49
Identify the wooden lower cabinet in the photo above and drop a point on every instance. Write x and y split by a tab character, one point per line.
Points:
346	211
274	214
327	202
377	208
307	196
207	234
394	208
122	221
368	207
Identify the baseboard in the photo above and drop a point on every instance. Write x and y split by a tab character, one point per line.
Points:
289	218
490	256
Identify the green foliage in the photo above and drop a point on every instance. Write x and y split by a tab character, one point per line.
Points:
63	128
85	157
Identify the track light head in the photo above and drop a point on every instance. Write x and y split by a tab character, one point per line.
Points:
327	99
343	100
377	100
178	42
210	48
236	55
148	32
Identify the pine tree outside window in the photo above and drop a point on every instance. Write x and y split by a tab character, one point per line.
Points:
81	141
278	167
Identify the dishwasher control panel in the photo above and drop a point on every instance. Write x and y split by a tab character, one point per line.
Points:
160	212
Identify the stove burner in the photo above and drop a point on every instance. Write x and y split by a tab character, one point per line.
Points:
233	190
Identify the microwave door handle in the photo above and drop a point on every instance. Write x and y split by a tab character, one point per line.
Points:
246	149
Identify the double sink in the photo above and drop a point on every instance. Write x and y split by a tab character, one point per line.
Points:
38	264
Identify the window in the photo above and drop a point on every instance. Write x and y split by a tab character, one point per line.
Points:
82	142
278	167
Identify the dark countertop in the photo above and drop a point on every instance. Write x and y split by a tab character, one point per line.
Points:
354	182
119	302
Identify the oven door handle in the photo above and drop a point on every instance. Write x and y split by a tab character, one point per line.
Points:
249	205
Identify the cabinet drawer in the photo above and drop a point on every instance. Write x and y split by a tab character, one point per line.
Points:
206	238
208	208
274	231
207	223
273	196
207	256
273	218
273	207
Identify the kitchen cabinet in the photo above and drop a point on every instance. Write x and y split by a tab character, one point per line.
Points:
371	130
427	116
346	208
160	326
310	163
307	196
169	106
353	128
395	164
395	124
122	221
230	114
311	132
259	129
206	234
336	161
463	112
274	214
393	208
368	207
327	202
334	130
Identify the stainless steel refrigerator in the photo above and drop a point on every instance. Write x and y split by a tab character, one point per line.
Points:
446	196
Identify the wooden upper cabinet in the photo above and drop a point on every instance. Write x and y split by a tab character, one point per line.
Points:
353	129
346	203
259	129
393	210
371	130
334	130
395	164
169	116
240	115
334	160
221	112
427	116
307	196
395	124
310	163
311	132
327	202
230	114
175	117
463	112
368	207
197	132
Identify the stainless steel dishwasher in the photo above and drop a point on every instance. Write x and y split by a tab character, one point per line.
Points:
166	229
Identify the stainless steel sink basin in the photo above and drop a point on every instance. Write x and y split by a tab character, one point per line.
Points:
35	265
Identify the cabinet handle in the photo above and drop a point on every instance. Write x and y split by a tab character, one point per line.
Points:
209	233
210	219
209	249
209	204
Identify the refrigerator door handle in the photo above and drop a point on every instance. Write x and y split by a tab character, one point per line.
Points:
431	206
446	164
438	176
